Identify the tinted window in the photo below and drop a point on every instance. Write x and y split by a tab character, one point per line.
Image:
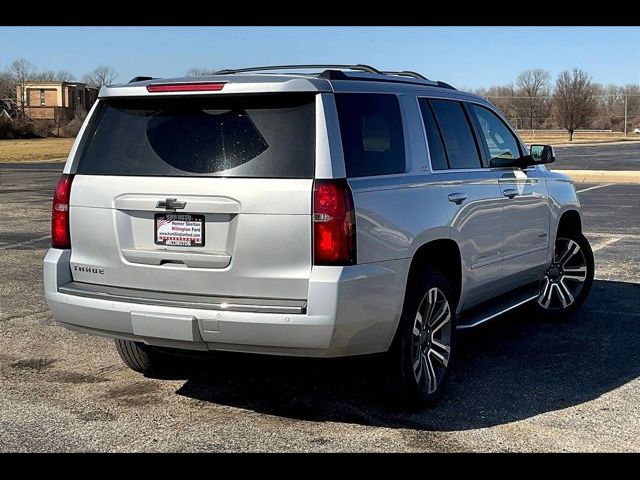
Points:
253	136
371	131
501	143
458	138
434	139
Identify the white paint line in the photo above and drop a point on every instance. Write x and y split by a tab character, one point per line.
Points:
26	242
607	243
593	188
624	236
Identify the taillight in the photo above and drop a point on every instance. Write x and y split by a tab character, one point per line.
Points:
334	223
60	237
186	87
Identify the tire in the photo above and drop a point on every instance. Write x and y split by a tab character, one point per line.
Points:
568	280
142	359
422	352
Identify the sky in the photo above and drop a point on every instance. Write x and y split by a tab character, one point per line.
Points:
466	57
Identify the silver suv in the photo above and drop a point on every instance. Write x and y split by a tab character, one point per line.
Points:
344	212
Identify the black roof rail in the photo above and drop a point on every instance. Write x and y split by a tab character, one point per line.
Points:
407	73
358	67
445	85
335	72
140	79
340	75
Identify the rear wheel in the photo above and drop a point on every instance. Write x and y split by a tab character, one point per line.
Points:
568	279
423	348
142	358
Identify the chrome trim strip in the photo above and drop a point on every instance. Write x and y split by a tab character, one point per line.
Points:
484	263
148	297
526	252
501	258
493	315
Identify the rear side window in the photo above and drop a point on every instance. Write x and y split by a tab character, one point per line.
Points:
371	131
459	141
434	138
240	136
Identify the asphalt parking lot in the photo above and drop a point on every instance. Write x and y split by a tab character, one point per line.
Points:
615	157
522	383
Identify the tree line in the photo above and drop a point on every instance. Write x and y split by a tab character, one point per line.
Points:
22	71
573	101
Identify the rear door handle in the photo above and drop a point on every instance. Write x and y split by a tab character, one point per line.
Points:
510	192
457	198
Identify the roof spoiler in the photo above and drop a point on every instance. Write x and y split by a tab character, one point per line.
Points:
140	79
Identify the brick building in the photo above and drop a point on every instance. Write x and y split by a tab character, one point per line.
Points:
52	100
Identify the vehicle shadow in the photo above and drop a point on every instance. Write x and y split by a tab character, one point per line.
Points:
513	368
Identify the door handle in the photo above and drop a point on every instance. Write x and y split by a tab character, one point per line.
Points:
510	192
457	198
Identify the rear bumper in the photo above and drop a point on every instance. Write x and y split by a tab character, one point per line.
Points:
349	311
163	299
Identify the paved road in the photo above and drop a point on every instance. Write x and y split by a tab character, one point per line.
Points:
522	383
598	157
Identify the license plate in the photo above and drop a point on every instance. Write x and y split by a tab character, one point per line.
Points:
179	229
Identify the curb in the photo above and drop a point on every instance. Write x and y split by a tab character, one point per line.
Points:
629	177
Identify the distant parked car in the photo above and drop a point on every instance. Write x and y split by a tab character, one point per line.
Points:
636	130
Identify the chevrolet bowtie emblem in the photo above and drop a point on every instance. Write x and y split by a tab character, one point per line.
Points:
171	204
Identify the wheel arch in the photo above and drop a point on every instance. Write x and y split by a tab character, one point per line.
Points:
442	254
570	221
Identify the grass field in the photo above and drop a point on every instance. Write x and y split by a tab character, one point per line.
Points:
555	138
35	150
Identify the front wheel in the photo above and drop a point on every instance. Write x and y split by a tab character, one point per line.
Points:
568	279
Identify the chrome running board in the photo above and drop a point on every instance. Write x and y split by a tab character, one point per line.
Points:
483	313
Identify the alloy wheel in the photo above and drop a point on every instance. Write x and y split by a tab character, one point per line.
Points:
431	345
565	277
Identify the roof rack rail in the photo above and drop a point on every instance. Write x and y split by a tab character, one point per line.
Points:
445	85
358	67
407	73
140	79
335	72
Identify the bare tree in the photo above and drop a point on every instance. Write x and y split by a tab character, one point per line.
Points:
609	107
59	120
47	76
64	76
22	71
101	75
502	97
7	86
632	96
199	72
574	99
532	88
608	112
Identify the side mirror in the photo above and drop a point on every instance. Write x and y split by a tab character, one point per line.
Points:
541	154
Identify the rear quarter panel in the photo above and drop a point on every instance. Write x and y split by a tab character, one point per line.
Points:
396	215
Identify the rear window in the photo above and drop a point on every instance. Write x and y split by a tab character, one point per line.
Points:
240	136
371	131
